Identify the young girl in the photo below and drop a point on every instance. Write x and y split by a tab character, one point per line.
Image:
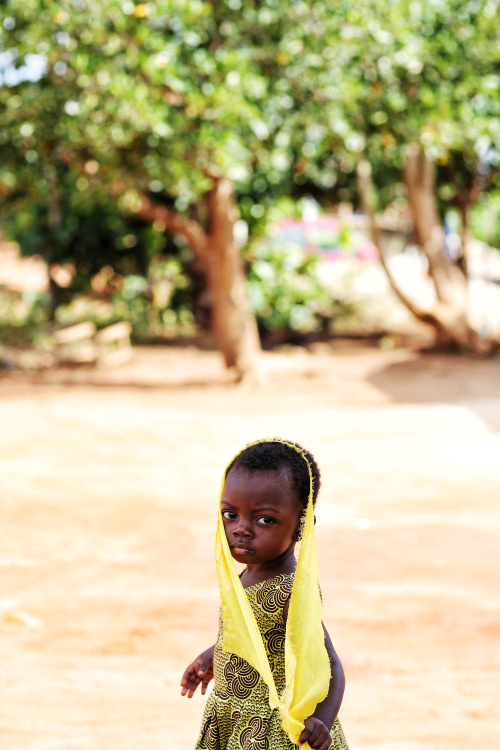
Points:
278	680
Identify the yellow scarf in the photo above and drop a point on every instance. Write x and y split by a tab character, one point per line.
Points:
307	666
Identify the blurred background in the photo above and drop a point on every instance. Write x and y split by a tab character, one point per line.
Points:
221	221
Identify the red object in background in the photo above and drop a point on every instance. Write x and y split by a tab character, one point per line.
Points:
323	236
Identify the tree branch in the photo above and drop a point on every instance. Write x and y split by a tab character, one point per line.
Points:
189	229
367	202
419	176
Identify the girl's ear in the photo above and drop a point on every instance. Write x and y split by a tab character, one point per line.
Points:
300	527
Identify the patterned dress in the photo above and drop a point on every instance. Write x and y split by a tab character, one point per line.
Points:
237	714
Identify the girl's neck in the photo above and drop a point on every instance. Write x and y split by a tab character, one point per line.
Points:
285	563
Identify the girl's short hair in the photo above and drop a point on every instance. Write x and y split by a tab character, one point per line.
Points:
276	454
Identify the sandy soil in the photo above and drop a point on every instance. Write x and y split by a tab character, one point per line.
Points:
109	484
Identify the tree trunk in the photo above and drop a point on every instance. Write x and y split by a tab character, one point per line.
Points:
449	316
420	179
463	260
233	321
54	224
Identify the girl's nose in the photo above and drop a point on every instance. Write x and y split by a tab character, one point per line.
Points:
243	528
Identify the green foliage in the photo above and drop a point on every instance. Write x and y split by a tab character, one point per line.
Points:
22	314
157	306
368	80
286	291
485	219
283	98
152	97
91	232
280	97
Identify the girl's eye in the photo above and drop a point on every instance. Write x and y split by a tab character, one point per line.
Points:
266	521
230	515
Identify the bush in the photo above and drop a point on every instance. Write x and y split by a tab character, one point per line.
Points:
22	317
484	219
156	306
287	294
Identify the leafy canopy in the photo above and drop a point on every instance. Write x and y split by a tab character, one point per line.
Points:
281	97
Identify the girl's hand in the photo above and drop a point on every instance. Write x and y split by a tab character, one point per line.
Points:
316	734
201	670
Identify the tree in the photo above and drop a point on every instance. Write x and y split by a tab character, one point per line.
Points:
144	100
413	89
186	113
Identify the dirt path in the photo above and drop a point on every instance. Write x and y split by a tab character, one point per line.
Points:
108	500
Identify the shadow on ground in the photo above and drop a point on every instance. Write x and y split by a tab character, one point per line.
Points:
444	379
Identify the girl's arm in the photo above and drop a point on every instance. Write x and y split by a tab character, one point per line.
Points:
201	670
317	727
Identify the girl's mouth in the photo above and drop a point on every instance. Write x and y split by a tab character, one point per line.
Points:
240	549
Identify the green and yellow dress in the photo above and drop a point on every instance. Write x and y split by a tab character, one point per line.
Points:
237	714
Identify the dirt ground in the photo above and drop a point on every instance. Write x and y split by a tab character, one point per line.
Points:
109	484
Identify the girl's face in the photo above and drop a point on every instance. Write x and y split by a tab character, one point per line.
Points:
261	515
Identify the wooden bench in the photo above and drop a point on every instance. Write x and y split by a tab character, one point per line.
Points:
75	344
113	344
